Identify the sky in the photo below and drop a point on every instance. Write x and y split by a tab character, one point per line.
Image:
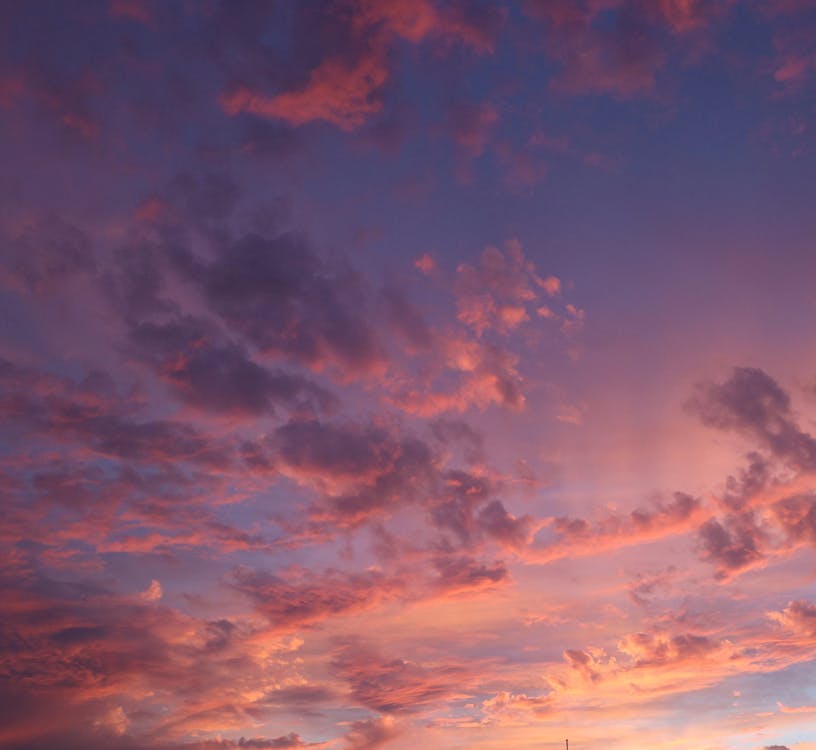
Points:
407	373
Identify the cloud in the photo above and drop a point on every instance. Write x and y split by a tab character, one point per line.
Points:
42	253
684	16
455	432
362	470
508	709
277	301
10	88
394	686
795	709
464	574
497	292
346	87
485	374
294	598
646	585
203	196
372	734
57	97
619	48
471	125
465	507
797	517
767	511
228	451
775	520
648	649
591	664
78	413
134	10
455	510
752	403
578	536
425	263
153	592
220	376
303	599
497	523
471	24
92	666
735	544
792	62
283	298
340	92
650	663
406	320
748	484
799	616
620	57
102	479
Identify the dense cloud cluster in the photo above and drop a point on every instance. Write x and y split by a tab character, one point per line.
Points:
752	403
226	379
760	517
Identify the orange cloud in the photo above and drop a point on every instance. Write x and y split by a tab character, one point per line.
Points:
579	537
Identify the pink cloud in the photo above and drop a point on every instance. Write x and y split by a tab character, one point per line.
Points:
495	293
612	47
425	263
343	94
346	91
579	537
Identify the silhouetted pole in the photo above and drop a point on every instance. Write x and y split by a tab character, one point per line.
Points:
567	741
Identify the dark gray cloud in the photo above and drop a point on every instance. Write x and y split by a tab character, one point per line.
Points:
797	517
281	296
733	543
216	375
748	483
366	468
393	686
371	734
752	403
462	572
405	319
43	253
293	601
58	408
497	523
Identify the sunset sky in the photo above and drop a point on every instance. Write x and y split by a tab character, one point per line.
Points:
407	374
